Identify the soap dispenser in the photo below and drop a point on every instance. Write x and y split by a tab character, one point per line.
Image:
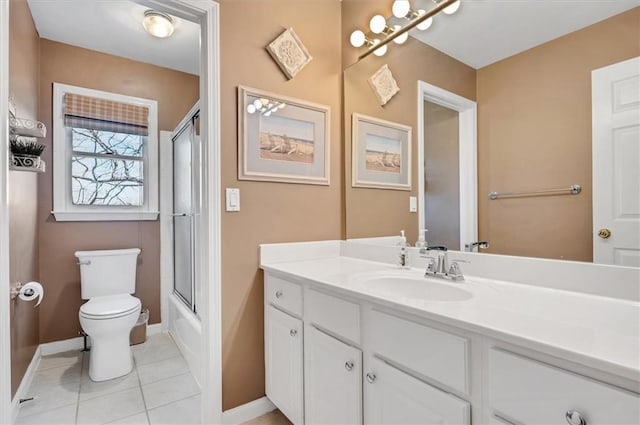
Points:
403	254
421	243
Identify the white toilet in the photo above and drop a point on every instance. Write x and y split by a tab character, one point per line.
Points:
108	278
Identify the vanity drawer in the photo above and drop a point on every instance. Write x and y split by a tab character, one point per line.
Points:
283	294
531	392
435	354
333	314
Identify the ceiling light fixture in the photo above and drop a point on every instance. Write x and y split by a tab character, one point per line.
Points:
158	24
401	9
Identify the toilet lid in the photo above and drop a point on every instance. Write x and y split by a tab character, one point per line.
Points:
110	306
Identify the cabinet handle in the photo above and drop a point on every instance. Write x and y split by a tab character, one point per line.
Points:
278	294
574	417
349	366
371	377
293	332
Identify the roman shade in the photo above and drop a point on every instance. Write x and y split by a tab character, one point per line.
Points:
105	115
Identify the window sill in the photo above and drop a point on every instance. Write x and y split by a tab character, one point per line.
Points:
105	216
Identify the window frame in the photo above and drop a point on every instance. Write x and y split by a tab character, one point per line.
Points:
63	207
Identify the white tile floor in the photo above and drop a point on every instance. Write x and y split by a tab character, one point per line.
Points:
160	390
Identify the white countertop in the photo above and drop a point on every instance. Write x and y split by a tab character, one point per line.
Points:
598	332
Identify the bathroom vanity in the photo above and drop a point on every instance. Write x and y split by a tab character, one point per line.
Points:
352	338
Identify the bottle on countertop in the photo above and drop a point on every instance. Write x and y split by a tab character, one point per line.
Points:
403	254
421	243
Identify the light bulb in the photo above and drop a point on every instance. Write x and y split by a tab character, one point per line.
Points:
357	38
424	25
282	105
380	51
157	24
257	104
266	114
452	8
377	24
251	109
400	8
400	39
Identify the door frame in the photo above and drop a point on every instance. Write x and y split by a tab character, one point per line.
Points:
5	328
467	153
207	14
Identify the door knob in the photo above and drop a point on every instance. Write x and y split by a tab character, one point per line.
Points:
574	417
604	233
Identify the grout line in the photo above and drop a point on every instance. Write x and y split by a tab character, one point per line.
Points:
175	401
82	354
144	401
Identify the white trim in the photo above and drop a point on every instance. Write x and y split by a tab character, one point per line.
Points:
468	157
104	216
25	383
62	346
63	207
248	411
5	328
166	226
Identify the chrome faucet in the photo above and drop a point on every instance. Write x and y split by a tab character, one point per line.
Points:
479	244
439	266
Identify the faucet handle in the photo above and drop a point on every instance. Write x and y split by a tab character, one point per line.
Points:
431	267
454	271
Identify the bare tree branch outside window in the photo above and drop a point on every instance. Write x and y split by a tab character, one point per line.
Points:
107	168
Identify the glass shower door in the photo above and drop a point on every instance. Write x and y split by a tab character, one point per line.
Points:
183	240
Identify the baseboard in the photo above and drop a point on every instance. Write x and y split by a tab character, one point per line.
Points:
154	329
55	347
248	411
25	383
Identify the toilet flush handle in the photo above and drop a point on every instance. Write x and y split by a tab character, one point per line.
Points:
83	263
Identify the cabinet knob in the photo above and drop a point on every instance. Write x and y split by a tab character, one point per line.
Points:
349	366
574	417
371	377
293	332
278	294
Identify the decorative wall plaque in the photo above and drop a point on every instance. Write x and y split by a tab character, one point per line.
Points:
289	53
383	85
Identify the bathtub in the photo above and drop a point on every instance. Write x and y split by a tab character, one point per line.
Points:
186	330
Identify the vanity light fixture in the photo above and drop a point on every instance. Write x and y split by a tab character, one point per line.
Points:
158	24
401	9
265	106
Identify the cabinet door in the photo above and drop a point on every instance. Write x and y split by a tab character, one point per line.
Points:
283	362
394	397
333	380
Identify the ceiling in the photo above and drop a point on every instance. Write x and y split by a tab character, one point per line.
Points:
482	32
115	27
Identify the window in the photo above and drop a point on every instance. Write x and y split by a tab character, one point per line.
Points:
105	156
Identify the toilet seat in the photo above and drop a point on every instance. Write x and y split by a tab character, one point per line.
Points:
110	307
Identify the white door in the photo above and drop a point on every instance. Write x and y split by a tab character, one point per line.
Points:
394	397
333	380
616	163
283	363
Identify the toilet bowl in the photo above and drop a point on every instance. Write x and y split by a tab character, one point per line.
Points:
108	322
107	280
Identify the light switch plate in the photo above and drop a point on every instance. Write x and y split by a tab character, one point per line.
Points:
233	199
413	204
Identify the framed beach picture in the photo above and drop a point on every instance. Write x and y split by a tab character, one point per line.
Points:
281	139
381	155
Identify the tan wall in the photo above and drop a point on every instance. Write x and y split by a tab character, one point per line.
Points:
375	212
271	212
534	132
23	190
176	93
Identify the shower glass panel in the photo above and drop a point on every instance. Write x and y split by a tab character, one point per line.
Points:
183	208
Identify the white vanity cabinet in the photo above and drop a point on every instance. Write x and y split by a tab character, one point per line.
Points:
284	351
332	380
531	392
394	397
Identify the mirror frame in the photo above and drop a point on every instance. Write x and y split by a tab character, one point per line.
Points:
468	157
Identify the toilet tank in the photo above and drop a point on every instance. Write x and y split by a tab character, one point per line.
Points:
107	272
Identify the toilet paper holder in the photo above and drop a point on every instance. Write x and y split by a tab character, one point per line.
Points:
15	289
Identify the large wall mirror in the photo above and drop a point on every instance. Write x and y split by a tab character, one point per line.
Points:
528	68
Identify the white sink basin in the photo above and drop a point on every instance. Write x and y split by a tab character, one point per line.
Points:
412	287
